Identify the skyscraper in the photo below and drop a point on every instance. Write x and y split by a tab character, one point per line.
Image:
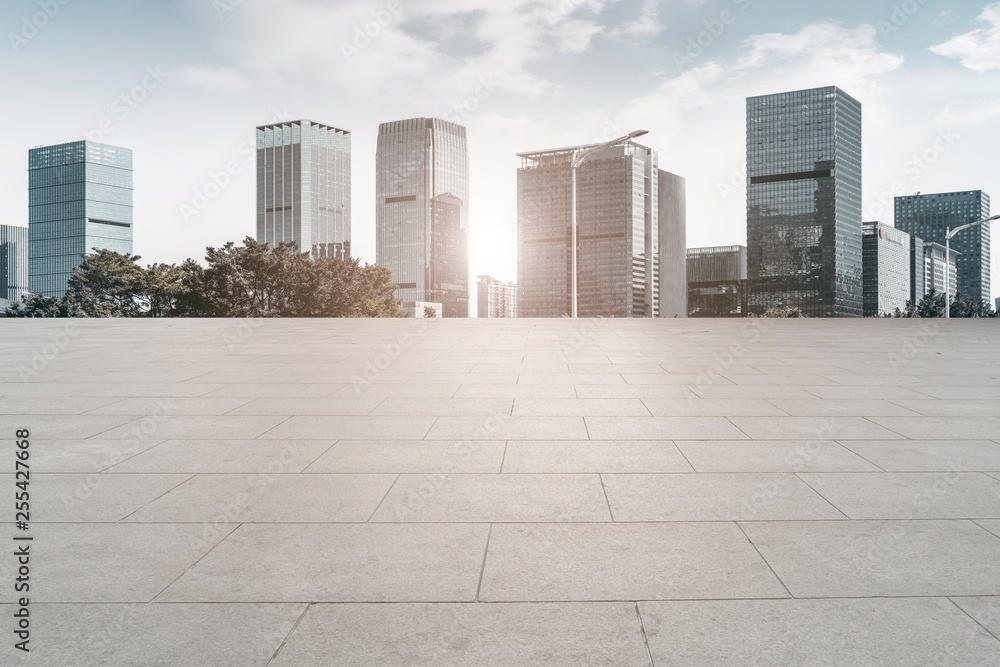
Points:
928	216
304	187
496	298
630	218
422	211
804	202
79	199
717	281
886	258
13	262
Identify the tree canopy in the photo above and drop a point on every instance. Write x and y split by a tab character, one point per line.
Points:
248	280
933	305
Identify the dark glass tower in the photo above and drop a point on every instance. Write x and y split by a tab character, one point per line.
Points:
79	199
804	202
13	262
928	217
717	279
304	187
422	211
630	235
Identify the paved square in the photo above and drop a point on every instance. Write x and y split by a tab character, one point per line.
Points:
519	492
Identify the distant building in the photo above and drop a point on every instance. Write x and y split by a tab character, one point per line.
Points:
717	281
918	277
886	261
804	202
422	211
13	262
929	216
79	199
420	309
496	298
934	271
304	187
630	237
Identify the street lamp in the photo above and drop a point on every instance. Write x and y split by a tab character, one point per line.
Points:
949	233
578	159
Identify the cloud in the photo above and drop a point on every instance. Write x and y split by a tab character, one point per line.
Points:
397	48
979	49
220	79
962	113
642	29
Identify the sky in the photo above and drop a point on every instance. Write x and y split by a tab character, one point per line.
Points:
183	83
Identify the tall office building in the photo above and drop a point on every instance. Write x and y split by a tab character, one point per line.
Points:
717	279
804	202
934	269
630	218
79	199
304	187
422	211
13	262
929	216
496	298
886	260
918	279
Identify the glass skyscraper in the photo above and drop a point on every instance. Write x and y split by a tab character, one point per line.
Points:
717	279
630	217
928	217
422	211
304	187
804	202
13	262
79	199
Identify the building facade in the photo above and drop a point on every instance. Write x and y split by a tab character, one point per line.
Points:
918	279
630	217
79	200
13	262
804	202
496	298
717	281
304	187
886	261
422	211
929	217
934	269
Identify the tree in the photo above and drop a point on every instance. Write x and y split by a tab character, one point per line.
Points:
430	311
789	312
108	284
248	280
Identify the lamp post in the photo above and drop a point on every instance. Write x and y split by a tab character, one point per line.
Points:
578	158
949	233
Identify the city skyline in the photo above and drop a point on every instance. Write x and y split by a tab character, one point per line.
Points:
920	103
